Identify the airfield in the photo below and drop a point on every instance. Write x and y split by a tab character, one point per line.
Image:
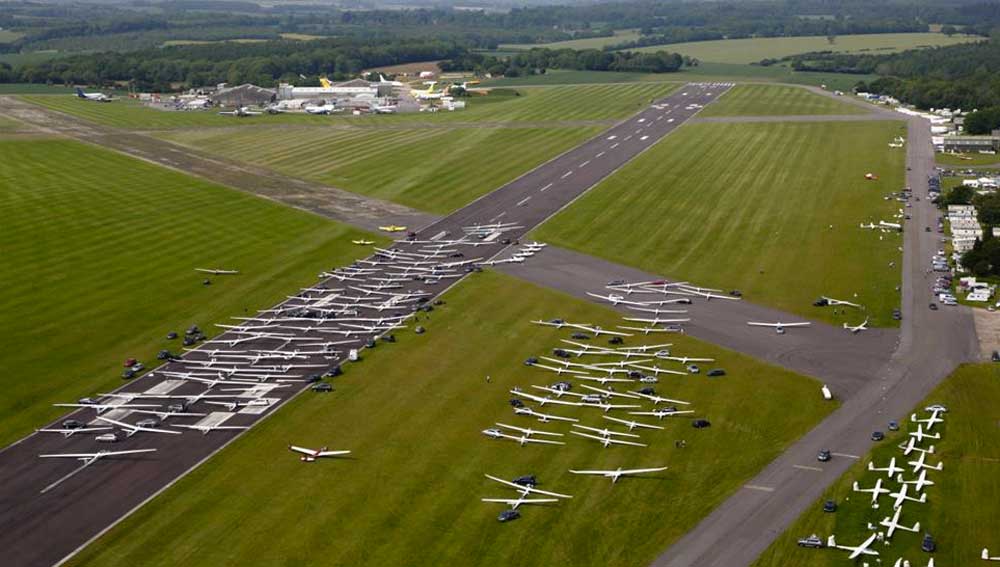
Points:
877	373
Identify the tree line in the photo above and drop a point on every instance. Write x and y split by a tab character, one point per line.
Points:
536	61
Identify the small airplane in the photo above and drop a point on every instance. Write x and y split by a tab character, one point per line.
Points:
901	496
131	430
930	421
217	272
875	491
384	108
93	97
919	464
857	328
240	112
69	432
920	434
543	417
525	491
321	109
529	432
619	472
310	455
911	446
890	471
657	400
893	524
631	424
392	228
522	499
523	440
986	555
206	429
429	94
660	413
918	484
856	551
362	242
833	302
605	432
101	408
778	327
608	441
87	459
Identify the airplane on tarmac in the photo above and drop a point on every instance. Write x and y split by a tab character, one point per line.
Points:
206	429
131	430
856	551
893	524
778	327
87	459
857	328
68	432
890	471
901	496
392	228
93	97
240	112
310	455
875	491
429	94
619	472
919	483
101	408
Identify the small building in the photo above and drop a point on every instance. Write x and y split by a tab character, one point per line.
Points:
971	144
244	95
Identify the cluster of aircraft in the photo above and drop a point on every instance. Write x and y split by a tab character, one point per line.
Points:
906	490
432	92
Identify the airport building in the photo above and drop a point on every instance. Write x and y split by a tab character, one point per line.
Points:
243	95
353	89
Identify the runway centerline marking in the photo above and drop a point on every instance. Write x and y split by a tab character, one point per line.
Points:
614	145
567	174
807	468
758	487
584	163
855	457
599	155
523	201
542	190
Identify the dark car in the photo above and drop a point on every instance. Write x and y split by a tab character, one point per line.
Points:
897	314
530	360
927	229
648	391
829	506
736	293
700	423
508	515
128	374
893	425
580	336
171	336
516	403
933	306
928	544
716	372
877	436
561	353
313	378
322	387
616	341
72	424
995	357
148	422
823	456
813	541
526	480
821	302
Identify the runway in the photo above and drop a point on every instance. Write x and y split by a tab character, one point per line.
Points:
40	529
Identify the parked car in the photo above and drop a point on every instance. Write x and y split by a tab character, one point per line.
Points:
829	506
823	456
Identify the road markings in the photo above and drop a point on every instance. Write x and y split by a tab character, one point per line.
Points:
659	118
629	137
612	137
584	163
599	155
758	487
523	201
542	190
614	145
567	174
439	235
644	137
805	468
642	120
671	120
855	457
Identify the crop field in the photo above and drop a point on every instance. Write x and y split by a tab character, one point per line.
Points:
770	209
432	169
620	36
98	261
756	49
961	508
965	160
565	103
404	481
772	100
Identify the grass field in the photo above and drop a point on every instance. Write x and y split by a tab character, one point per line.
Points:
7	36
756	49
961	160
749	206
412	415
620	36
592	102
8	124
433	169
772	100
961	508
30	88
98	261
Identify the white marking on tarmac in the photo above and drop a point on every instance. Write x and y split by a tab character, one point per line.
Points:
523	201
612	137
758	487
584	163
644	137
629	137
544	188
567	174
439	235
642	120
599	155
805	468
855	457
659	118
614	145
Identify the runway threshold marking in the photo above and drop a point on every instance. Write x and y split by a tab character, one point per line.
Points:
544	188
855	457
758	487
807	468
523	201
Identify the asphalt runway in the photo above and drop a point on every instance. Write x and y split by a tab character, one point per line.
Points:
931	345
41	529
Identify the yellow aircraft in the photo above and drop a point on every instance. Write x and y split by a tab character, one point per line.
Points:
325	82
392	228
363	242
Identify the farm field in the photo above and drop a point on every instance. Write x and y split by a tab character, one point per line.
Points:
565	103
773	100
432	169
404	482
98	265
769	209
965	160
620	36
960	512
756	49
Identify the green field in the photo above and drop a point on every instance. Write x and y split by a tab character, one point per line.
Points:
7	36
773	100
961	508
750	206
412	415
432	169
620	36
965	160
8	124
756	49
98	261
